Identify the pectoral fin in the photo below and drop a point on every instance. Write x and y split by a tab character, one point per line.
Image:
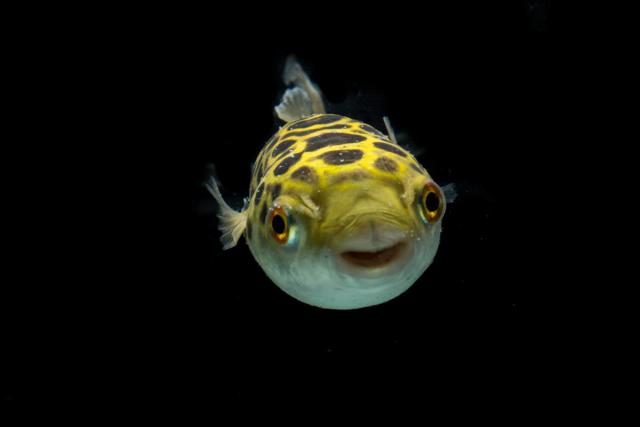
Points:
232	223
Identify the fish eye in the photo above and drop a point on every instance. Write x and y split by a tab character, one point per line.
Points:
279	225
432	205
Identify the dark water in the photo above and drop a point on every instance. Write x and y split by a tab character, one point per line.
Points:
471	88
474	112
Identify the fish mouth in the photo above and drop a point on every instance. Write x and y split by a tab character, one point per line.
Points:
374	249
375	259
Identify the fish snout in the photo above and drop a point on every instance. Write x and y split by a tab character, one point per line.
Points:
373	246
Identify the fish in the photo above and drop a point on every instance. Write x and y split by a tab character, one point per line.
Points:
339	215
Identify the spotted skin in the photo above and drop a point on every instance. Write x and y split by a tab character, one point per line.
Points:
317	119
282	147
274	191
307	155
341	157
305	174
327	139
258	193
395	149
386	164
310	131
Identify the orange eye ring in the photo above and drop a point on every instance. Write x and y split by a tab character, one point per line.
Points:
279	225
432	203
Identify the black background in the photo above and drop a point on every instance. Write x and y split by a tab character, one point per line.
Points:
158	312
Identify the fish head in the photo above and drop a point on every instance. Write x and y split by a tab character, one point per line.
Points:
351	243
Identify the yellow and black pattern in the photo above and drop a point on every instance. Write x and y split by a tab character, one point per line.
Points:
321	150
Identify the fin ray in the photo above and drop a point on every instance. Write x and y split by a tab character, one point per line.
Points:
303	99
232	223
450	193
295	104
390	132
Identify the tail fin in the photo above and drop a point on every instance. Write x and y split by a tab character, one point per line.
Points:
303	99
232	223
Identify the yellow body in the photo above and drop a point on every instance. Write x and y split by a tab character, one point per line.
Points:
339	215
299	169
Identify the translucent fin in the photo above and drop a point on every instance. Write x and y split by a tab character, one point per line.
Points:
232	223
295	104
303	99
450	193
390	132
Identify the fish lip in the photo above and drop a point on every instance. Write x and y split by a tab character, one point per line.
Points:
376	258
373	249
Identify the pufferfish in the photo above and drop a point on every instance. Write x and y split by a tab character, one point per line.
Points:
339	215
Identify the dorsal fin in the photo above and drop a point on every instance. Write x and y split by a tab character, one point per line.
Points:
303	99
295	104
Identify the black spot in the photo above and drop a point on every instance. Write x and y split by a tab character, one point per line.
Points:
263	213
342	157
310	131
282	146
285	164
391	148
317	142
271	141
372	130
258	195
386	164
275	191
417	168
305	174
321	120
